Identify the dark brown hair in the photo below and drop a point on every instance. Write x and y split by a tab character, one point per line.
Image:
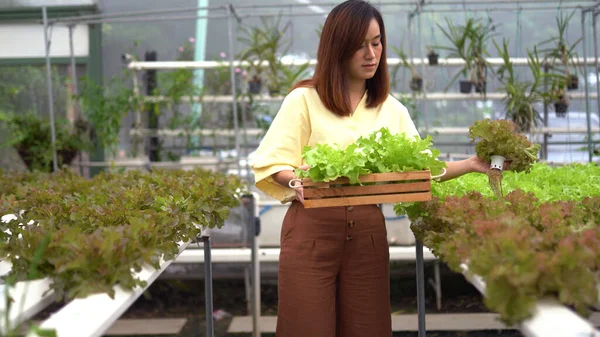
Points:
343	34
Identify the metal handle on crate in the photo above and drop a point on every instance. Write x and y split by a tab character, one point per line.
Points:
292	182
440	175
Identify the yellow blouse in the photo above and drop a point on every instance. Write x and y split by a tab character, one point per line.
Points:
304	120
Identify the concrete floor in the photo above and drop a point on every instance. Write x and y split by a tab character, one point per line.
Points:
407	322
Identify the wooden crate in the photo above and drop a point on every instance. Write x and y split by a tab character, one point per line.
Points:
389	188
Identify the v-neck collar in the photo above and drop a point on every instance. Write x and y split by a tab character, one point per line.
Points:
360	103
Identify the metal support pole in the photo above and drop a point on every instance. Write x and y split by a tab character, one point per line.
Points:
153	120
73	67
248	287
420	50
587	87
161	12
230	17
247	237
411	56
246	143
75	88
545	135
256	301
438	284
199	55
208	290
49	85
136	139
420	289
596	68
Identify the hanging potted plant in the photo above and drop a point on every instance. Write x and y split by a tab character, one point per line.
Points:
30	135
264	44
465	86
479	76
560	99
458	37
416	81
521	97
573	82
254	84
104	108
562	57
432	56
253	55
273	75
275	47
479	36
291	75
469	42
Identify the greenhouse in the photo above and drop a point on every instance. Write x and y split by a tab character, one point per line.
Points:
177	168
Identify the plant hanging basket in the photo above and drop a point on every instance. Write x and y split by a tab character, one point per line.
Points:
561	109
416	84
466	87
573	83
480	87
254	86
433	59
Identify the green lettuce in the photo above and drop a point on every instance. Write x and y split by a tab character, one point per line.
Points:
379	152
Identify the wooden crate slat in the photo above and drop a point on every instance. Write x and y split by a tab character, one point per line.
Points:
371	178
367	200
388	188
314	193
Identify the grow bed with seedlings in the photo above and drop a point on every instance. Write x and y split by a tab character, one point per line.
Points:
538	240
522	235
97	244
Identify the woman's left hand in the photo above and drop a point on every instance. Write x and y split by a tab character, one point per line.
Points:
478	165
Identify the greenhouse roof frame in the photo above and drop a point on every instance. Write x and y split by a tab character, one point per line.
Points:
421	6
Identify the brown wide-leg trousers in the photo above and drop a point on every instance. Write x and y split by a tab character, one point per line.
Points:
334	273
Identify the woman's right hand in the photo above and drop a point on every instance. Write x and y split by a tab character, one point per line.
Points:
300	194
300	190
286	177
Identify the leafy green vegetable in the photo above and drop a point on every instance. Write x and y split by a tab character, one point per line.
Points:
379	152
525	247
547	183
99	230
499	137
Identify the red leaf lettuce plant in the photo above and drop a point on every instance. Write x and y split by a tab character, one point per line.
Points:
499	138
101	229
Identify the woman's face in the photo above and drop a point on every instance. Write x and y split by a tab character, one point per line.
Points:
365	61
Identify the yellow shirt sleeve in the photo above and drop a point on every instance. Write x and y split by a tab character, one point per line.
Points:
281	147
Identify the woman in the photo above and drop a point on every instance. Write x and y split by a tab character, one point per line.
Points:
334	262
